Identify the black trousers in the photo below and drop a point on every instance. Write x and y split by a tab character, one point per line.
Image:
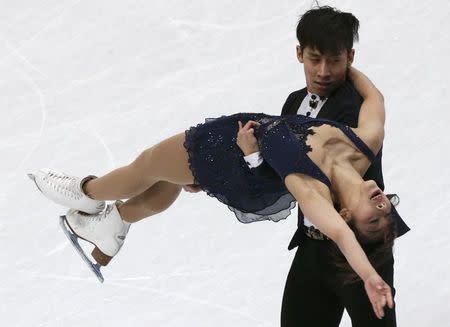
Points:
313	298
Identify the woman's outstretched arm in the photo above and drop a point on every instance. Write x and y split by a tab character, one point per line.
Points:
323	215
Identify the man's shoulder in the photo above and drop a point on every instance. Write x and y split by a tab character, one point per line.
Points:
297	94
293	102
346	90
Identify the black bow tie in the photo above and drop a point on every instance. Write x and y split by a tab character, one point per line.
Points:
314	97
313	102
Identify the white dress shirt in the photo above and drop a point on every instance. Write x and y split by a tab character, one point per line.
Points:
310	106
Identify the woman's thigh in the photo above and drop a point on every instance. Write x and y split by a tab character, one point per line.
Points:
168	161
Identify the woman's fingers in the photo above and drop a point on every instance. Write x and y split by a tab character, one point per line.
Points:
388	296
385	297
248	125
380	310
382	304
379	293
247	128
255	123
390	300
386	291
376	310
379	307
251	123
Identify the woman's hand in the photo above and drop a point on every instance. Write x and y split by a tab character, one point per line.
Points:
379	294
191	188
246	139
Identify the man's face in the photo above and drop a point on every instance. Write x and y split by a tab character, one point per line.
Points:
324	72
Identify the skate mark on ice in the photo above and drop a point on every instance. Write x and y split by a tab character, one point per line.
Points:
187	298
176	76
37	90
39	32
58	248
72	85
60	320
97	75
91	130
222	27
22	58
166	276
36	275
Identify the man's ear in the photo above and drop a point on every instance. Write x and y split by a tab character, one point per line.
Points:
346	214
350	57
299	54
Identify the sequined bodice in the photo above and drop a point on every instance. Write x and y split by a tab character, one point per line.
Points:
283	144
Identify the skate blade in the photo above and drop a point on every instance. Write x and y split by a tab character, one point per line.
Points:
94	267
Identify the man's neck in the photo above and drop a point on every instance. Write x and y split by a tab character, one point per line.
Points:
329	94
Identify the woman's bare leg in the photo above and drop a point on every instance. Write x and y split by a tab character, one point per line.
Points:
151	182
154	200
166	161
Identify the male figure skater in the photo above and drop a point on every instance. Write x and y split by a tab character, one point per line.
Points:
313	296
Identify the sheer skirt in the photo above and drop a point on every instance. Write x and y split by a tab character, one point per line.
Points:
219	169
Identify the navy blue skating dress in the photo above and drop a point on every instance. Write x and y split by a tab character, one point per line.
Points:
218	165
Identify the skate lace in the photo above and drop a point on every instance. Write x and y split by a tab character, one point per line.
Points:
64	184
99	216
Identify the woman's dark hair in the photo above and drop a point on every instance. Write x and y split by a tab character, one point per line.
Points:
327	30
378	248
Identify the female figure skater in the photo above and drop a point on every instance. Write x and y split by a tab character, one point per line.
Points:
316	160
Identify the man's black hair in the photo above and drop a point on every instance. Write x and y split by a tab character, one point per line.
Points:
327	30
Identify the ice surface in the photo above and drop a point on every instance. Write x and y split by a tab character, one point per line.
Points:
86	85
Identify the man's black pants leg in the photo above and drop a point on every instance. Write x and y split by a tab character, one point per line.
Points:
307	300
358	306
312	297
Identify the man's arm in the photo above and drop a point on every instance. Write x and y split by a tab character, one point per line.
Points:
372	114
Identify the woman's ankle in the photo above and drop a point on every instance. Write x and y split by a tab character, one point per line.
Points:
85	186
125	214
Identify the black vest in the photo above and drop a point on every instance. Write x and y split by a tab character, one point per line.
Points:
342	106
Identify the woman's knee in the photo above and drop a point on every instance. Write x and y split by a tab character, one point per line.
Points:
159	197
144	163
167	194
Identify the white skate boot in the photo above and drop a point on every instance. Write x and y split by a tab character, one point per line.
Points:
66	190
106	230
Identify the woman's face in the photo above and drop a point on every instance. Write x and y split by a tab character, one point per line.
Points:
370	208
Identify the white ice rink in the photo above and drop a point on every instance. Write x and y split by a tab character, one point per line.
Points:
85	86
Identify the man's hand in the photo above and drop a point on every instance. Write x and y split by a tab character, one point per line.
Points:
379	294
246	139
191	188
